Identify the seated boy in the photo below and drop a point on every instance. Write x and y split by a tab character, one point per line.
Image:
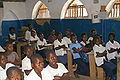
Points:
12	56
3	66
38	73
26	63
57	70
13	73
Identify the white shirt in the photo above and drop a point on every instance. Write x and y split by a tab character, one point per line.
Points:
61	51
110	45
90	39
99	60
3	75
45	75
57	72
12	36
1	49
42	43
68	41
27	35
83	43
34	38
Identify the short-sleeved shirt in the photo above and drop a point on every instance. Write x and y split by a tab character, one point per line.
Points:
45	75
27	35
110	45
61	51
57	72
83	43
77	46
12	57
3	75
68	41
42	43
34	38
99	60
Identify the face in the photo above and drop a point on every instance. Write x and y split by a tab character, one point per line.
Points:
52	32
3	59
59	36
32	33
111	38
74	39
29	52
67	33
52	58
41	36
12	30
9	47
93	33
97	41
84	37
14	75
38	64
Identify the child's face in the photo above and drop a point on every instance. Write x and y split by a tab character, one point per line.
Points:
3	59
84	37
41	36
29	52
59	36
52	32
32	33
38	64
111	38
52	58
12	30
74	39
14	75
67	33
97	41
93	33
9	47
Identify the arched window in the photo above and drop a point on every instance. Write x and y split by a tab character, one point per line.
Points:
76	9
115	11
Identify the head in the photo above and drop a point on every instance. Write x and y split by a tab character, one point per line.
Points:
111	36
9	46
52	32
41	36
37	62
3	59
12	29
67	32
93	32
13	73
28	51
84	37
51	57
30	26
97	40
73	38
59	35
33	33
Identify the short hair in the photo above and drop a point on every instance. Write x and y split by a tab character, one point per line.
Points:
40	33
95	38
7	43
67	30
72	35
92	30
2	53
52	30
11	28
27	47
112	33
29	24
10	69
84	33
35	56
48	51
59	33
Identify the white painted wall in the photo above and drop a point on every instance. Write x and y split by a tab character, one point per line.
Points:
23	10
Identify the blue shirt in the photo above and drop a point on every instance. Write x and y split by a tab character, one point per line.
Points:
77	46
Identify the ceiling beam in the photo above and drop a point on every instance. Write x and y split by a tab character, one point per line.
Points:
13	0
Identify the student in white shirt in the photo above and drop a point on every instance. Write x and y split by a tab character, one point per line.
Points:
60	49
113	48
13	73
33	38
26	63
38	73
99	54
4	66
57	70
67	36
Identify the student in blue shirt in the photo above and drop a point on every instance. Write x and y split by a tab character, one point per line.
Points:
76	49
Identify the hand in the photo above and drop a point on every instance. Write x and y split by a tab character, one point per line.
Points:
56	77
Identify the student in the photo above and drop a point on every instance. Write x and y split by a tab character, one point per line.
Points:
79	57
38	73
26	63
60	49
57	70
33	38
113	48
12	36
52	37
12	56
41	45
13	73
99	54
4	66
67	36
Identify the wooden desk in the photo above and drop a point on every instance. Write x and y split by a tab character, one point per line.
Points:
118	67
19	48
